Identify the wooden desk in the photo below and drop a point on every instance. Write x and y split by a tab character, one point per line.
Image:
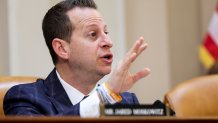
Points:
108	119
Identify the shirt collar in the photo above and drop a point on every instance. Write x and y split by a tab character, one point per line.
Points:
74	95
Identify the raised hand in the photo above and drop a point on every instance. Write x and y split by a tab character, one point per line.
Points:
121	79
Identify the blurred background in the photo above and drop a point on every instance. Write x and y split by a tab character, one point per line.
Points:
174	30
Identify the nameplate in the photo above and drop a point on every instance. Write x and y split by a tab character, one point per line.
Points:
133	110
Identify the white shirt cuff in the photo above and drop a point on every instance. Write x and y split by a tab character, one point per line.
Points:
90	107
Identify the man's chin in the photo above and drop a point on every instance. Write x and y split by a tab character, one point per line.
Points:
105	72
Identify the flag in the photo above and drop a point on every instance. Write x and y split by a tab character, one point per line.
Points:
209	48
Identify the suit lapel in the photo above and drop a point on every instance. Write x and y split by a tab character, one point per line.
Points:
56	92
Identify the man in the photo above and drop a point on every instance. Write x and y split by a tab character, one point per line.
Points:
76	36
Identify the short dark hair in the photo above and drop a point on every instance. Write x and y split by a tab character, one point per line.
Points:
56	23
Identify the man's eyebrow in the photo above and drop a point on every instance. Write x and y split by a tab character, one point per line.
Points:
94	25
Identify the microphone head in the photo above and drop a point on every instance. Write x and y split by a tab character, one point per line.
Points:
158	103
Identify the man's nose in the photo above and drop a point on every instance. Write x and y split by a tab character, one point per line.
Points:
106	43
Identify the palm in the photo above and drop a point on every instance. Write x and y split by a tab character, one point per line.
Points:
128	83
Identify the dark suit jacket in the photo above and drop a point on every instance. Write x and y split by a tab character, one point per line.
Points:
46	97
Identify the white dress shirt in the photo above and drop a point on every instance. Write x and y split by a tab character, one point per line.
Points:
90	106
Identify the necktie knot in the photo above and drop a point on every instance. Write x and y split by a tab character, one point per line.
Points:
84	97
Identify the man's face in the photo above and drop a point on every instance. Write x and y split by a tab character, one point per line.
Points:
90	45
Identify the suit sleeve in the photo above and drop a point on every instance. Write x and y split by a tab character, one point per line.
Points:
135	99
129	98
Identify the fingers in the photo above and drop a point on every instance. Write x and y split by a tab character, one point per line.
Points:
141	74
136	46
142	48
135	51
121	79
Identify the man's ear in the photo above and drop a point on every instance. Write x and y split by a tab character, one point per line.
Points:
61	48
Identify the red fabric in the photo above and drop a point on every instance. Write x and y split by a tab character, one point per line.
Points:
211	46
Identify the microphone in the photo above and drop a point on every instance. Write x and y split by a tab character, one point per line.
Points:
169	111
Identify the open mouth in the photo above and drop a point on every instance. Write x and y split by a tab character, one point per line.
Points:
108	56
